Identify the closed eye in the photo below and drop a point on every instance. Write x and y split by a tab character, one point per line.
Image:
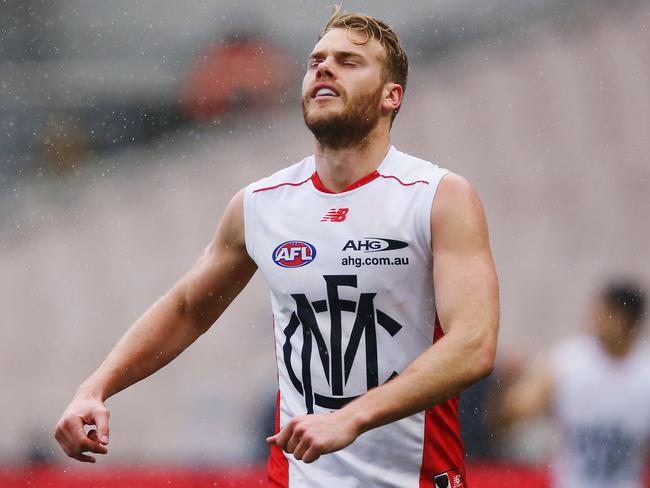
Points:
314	62
349	59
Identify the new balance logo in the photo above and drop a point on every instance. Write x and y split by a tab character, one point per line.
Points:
335	215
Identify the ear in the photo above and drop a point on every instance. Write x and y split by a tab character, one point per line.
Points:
392	99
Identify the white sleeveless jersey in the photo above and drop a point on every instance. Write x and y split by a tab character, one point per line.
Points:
602	406
351	285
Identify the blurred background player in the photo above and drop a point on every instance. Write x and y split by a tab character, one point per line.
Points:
596	387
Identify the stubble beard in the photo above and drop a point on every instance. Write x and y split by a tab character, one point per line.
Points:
349	127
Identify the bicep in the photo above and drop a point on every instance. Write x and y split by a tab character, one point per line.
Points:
465	280
221	271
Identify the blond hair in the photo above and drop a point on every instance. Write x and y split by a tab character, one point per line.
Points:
396	64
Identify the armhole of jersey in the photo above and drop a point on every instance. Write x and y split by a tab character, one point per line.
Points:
427	203
249	222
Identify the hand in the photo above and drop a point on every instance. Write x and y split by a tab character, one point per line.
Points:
70	432
310	436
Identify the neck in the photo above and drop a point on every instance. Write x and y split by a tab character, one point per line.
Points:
339	167
618	349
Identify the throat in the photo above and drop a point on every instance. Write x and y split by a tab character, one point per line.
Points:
343	170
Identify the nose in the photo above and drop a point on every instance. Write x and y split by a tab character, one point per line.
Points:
324	69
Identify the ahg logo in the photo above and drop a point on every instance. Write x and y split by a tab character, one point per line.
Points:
374	244
336	362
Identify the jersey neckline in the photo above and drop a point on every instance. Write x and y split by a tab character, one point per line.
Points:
318	184
364	180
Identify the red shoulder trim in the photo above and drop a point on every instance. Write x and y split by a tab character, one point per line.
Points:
282	184
318	184
402	183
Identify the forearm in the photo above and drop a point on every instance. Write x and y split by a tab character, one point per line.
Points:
527	396
167	328
157	337
441	372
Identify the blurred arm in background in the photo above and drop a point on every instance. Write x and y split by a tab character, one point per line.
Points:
527	396
165	330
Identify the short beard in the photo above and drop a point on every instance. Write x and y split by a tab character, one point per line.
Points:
350	127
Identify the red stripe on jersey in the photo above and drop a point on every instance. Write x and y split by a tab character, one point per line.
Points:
442	450
318	184
282	184
278	466
438	333
402	183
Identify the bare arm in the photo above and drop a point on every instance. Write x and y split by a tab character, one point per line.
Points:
467	302
530	394
166	329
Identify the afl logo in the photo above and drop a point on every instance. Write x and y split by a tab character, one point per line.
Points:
294	254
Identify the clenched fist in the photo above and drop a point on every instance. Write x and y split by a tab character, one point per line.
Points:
71	434
309	436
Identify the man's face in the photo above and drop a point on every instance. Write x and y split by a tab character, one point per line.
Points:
609	324
343	88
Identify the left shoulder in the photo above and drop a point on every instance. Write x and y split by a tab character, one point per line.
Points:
410	169
641	354
456	198
457	219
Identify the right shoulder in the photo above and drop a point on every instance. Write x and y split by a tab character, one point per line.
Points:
573	355
261	195
293	175
575	345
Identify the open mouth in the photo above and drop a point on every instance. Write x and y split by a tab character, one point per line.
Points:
323	92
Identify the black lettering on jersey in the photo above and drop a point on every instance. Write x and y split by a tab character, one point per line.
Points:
374	244
336	362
